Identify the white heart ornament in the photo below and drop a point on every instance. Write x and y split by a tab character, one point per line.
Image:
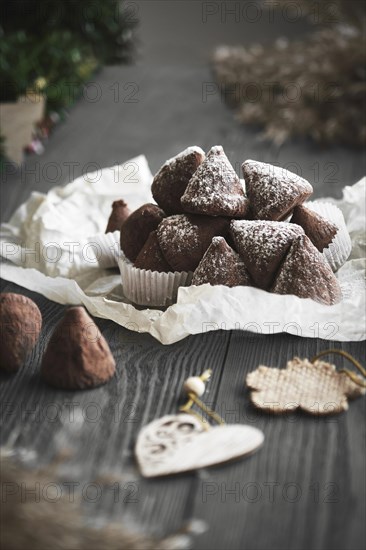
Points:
180	443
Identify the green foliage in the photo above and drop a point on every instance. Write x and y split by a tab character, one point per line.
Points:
61	42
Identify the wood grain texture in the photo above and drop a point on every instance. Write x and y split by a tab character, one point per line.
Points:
301	455
290	494
305	487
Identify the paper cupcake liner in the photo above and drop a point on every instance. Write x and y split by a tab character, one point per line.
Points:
106	248
151	288
340	248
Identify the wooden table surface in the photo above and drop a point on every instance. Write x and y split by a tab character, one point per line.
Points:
305	487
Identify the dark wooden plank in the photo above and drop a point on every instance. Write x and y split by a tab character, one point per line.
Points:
300	453
308	475
98	428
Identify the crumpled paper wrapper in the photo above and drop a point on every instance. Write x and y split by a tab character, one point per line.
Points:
51	247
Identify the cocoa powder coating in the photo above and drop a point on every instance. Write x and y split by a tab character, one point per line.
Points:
306	274
21	323
119	214
273	192
77	356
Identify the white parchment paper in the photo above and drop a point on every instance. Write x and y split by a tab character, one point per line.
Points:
47	247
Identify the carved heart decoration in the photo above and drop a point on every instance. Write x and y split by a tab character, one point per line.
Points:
179	443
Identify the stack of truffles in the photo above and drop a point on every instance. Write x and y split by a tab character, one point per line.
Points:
206	228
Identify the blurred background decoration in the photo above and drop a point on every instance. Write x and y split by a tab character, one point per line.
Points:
312	88
62	524
48	50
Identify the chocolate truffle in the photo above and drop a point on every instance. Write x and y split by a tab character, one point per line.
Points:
320	231
273	192
307	274
77	356
20	324
184	239
263	245
171	180
137	228
215	189
151	256
119	214
221	265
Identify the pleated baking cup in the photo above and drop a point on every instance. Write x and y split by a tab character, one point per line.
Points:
106	248
340	248
151	288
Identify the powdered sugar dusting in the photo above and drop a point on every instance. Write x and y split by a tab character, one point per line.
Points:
217	255
215	189
264	169
192	149
273	191
217	150
263	245
184	238
180	242
262	240
216	241
306	273
183	231
171	180
221	265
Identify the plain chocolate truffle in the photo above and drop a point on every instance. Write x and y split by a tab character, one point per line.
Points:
320	231
137	228
151	256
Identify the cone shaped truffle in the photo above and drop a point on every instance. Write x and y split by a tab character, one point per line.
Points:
215	189
307	274
320	231
20	324
137	228
151	256
184	239
273	192
263	245
171	180
119	214
77	356
221	265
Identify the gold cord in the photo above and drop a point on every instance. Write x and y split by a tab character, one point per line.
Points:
193	399
212	414
353	376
